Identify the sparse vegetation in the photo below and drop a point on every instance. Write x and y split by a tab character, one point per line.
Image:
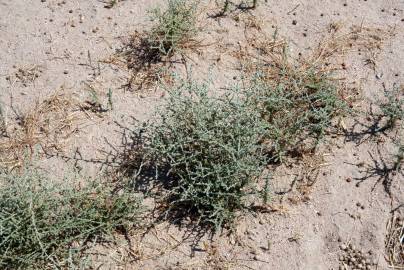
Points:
46	225
393	109
148	53
298	103
174	29
48	124
209	146
213	149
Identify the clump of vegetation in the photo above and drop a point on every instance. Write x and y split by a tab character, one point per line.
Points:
393	109
214	148
210	148
175	28
298	106
147	54
44	224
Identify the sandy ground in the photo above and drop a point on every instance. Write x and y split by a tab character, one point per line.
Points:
66	43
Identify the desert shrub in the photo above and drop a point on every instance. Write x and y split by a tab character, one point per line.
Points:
393	109
46	225
298	107
210	147
174	28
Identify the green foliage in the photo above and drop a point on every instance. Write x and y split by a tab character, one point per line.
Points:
298	107
393	109
174	27
45	225
211	148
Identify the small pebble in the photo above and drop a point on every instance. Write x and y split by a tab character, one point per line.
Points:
294	22
65	72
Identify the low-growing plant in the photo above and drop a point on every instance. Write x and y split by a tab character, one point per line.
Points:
46	225
298	99
298	107
175	28
209	147
393	109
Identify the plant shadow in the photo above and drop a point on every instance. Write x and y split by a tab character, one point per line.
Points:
241	7
384	170
127	165
362	130
144	60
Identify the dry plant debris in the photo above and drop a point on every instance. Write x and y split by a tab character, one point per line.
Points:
270	51
47	125
394	242
144	65
26	75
